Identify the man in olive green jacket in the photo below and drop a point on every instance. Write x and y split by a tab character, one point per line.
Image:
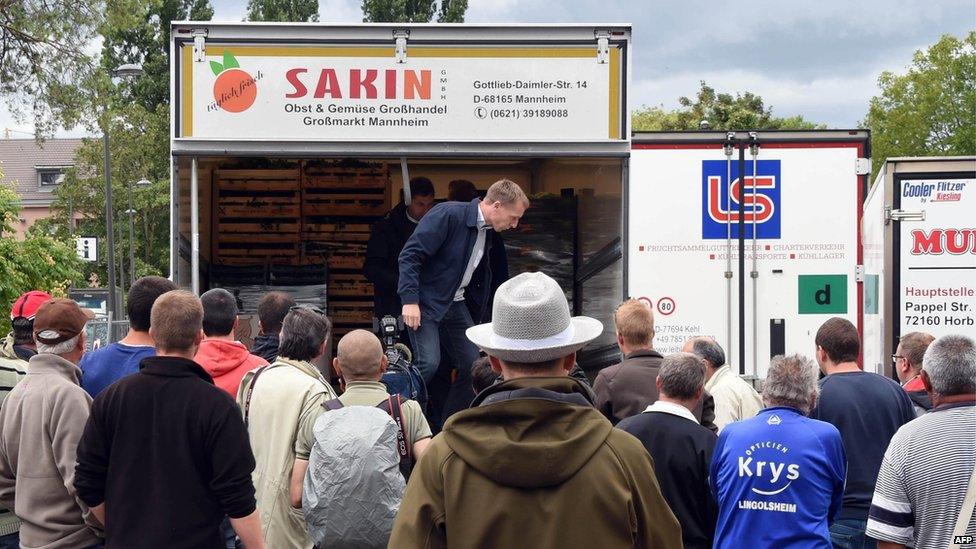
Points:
532	463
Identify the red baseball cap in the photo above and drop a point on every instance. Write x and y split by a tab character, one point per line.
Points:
27	304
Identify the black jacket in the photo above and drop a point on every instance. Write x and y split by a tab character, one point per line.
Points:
682	453
626	389
168	454
266	347
475	297
382	265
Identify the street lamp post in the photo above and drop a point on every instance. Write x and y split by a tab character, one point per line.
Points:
131	213
124	71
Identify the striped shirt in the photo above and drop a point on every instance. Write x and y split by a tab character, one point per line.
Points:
923	479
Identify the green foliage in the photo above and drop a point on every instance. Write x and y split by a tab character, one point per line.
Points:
44	67
931	109
299	11
414	11
723	111
136	112
39	262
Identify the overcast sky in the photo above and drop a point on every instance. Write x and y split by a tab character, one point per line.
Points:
819	59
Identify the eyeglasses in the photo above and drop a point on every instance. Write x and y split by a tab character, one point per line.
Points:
894	358
312	308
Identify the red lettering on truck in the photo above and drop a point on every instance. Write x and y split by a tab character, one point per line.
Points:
940	241
408	84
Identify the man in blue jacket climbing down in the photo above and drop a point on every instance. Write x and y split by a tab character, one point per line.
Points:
445	263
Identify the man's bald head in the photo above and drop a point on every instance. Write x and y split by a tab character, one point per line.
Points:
359	356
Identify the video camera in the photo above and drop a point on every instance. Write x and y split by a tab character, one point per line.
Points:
401	376
388	330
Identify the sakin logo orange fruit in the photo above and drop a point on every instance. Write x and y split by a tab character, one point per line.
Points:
234	90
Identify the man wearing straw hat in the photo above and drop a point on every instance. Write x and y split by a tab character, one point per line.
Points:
532	463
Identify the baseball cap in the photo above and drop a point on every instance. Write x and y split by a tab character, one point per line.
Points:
27	304
59	320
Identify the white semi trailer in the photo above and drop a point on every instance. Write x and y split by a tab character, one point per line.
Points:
919	253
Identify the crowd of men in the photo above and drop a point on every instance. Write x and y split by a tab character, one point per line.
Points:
179	435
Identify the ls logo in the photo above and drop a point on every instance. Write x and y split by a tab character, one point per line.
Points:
763	208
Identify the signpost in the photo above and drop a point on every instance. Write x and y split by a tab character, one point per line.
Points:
87	247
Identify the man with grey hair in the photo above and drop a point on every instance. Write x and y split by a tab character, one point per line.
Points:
280	404
680	447
532	462
41	422
734	398
926	488
778	478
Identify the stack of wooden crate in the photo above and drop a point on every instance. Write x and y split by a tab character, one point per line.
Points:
339	203
257	216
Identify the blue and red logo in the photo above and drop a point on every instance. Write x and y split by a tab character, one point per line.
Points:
763	207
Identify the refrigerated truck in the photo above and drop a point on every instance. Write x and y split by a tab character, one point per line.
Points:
543	105
919	253
748	237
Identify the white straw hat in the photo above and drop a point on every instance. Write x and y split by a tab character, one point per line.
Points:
530	322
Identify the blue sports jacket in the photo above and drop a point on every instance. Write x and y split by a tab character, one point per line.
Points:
433	260
779	481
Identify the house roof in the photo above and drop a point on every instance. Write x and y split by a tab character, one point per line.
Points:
19	159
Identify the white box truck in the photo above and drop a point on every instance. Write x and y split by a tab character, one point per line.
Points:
288	140
758	273
919	253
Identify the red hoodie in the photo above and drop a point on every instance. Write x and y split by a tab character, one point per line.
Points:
227	362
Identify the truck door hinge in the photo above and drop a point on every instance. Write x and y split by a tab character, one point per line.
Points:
400	36
602	46
862	166
903	215
199	45
859	273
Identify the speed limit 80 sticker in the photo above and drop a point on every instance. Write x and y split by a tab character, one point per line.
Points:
664	306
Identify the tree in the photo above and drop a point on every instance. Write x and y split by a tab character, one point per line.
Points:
137	114
414	11
39	262
930	109
43	62
283	10
723	111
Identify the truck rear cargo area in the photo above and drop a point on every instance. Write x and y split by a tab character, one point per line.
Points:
301	225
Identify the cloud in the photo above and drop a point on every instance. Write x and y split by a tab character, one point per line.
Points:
838	101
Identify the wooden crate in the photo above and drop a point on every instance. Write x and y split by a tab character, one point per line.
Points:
349	285
351	312
349	257
357	179
259	226
343	204
258	249
262	207
335	232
